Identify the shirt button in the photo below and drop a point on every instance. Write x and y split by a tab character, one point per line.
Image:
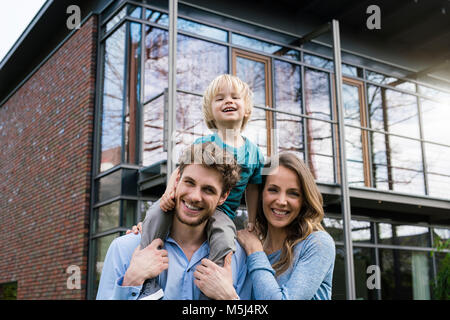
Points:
133	294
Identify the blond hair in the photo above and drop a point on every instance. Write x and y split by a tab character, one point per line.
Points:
231	82
311	211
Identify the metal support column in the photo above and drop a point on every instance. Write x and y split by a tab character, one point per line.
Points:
172	92
345	198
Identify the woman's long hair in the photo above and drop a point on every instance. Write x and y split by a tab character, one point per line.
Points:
311	211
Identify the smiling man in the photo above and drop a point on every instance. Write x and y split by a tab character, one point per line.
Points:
204	180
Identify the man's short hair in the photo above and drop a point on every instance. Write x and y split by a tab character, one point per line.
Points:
212	156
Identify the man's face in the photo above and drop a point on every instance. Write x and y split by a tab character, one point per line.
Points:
198	193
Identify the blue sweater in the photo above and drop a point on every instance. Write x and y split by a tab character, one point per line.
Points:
308	278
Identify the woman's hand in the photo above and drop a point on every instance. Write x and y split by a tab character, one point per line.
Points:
135	229
214	281
249	241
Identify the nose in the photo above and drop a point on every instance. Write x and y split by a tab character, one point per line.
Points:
281	200
195	195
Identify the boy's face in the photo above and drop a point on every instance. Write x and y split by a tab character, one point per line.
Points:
228	108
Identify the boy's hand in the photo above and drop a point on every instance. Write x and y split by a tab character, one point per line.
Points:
167	202
135	229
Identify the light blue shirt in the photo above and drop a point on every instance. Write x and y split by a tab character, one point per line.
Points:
177	281
251	161
308	278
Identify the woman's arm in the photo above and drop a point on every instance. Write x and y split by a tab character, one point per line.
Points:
310	267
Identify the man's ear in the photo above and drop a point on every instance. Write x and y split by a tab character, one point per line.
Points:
223	198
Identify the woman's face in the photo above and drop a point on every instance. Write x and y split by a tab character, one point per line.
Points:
282	197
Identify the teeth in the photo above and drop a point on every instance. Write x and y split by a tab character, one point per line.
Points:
229	109
280	212
191	206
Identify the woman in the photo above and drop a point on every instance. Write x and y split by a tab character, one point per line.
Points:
295	257
290	256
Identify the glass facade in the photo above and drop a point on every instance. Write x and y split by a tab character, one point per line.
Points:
396	132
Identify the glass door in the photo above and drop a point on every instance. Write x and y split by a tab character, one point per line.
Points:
255	70
356	139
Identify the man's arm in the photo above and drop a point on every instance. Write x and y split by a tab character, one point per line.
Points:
116	263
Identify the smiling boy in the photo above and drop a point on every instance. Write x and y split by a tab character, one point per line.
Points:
227	107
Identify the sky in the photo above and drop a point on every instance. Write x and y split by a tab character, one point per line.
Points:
15	16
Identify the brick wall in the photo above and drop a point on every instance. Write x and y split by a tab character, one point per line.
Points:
46	131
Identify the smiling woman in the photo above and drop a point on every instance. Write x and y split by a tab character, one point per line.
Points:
295	259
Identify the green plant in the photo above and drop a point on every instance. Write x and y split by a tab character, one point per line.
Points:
441	285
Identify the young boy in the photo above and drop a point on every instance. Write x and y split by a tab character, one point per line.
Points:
227	106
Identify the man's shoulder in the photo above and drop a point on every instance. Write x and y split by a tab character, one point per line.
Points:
126	244
240	254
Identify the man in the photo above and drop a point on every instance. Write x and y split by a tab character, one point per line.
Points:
203	183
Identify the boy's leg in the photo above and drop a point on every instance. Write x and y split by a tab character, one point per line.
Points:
156	225
221	233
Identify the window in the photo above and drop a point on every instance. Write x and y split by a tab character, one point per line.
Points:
8	291
256	71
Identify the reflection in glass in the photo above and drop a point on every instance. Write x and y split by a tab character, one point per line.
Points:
360	231
189	122
109	186
407	169
391	81
435	117
253	73
338	292
134	92
153	135
198	63
116	19
134	11
402	113
288	98
113	95
334	227
255	44
363	258
101	246
201	29
188	25
318	105
318	61
129	213
405	275
108	217
156	62
403	235
353	143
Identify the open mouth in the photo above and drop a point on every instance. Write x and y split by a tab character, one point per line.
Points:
191	207
279	212
229	109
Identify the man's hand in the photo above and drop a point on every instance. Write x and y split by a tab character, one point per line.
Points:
146	264
214	281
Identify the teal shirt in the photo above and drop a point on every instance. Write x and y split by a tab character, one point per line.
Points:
251	161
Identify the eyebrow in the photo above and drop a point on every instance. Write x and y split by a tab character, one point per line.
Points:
203	186
276	186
